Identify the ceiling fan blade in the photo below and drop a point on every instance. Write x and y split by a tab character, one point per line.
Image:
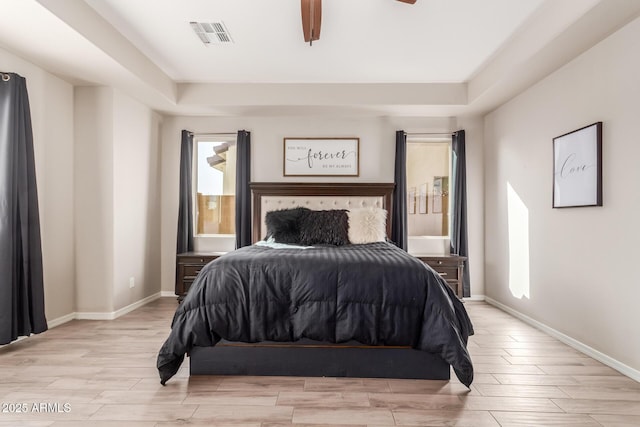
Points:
311	19
408	1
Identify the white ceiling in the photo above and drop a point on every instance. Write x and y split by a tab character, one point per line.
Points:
380	57
361	40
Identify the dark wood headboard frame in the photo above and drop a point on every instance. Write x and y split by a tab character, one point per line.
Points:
260	189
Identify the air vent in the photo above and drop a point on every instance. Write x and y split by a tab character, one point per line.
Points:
211	32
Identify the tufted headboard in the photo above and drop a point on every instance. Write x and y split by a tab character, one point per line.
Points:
269	196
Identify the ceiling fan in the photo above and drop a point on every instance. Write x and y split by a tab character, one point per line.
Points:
312	18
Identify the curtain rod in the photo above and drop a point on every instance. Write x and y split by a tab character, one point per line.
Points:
214	133
427	133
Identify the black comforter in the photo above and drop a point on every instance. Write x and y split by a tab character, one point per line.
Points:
374	293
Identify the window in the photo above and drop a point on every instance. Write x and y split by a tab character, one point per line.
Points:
428	170
215	185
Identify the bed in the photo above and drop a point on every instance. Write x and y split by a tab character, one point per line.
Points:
332	308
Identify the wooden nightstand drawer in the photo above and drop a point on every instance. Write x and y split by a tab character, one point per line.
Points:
198	260
447	273
192	270
188	266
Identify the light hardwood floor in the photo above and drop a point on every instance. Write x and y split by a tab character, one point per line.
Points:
105	372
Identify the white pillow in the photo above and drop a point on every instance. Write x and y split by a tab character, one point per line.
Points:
367	225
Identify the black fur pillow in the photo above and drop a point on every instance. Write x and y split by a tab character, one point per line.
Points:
284	225
324	227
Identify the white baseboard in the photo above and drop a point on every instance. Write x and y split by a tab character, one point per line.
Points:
168	294
60	320
572	342
97	315
87	315
14	341
137	304
474	298
91	315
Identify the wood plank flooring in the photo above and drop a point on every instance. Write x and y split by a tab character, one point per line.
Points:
102	373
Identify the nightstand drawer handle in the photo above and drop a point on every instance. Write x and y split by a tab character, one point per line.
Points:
201	259
442	274
439	262
198	271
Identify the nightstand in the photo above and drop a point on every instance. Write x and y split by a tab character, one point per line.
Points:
449	267
188	265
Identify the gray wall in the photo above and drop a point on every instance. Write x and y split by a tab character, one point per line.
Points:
570	269
117	200
377	152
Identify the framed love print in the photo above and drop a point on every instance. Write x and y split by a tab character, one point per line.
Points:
577	168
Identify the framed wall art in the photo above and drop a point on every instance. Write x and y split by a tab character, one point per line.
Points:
437	194
422	199
577	168
411	200
321	157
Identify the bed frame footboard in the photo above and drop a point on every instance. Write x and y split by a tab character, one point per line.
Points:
317	360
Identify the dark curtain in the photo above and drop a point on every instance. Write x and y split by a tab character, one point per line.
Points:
459	238
21	278
399	208
185	207
243	192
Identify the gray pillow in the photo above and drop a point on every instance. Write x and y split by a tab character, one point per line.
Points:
329	227
284	225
